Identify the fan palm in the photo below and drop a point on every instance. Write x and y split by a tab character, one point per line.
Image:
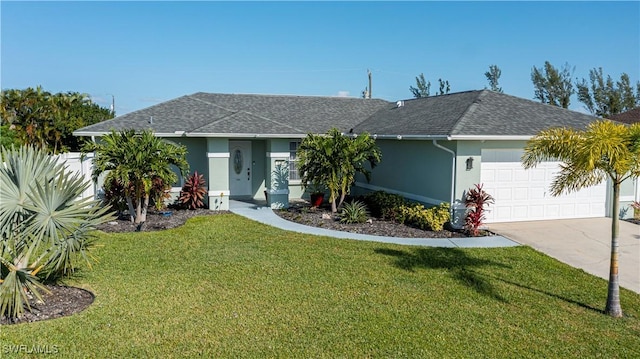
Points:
604	150
44	226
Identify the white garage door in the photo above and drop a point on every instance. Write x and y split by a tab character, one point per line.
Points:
524	195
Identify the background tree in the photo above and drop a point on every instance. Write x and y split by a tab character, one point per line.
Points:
443	87
604	97
46	120
422	88
553	86
44	226
135	160
333	160
493	75
604	149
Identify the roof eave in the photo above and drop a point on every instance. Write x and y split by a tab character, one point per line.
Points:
490	137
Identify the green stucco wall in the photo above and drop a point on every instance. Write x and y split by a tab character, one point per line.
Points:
415	169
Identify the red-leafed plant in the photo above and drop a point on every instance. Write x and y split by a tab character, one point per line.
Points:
475	201
193	192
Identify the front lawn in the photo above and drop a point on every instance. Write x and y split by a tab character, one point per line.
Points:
224	286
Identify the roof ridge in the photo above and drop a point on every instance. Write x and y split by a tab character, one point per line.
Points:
461	121
234	112
291	95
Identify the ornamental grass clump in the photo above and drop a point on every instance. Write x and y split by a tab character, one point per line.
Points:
45	225
354	212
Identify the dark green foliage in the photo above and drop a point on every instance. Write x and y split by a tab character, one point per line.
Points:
48	120
193	192
604	97
553	86
493	75
422	88
354	212
114	195
384	205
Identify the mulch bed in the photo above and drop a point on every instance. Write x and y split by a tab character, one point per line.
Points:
156	221
61	301
303	213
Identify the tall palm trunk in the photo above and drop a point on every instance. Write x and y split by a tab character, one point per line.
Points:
613	307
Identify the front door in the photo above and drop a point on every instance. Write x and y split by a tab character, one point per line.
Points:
240	168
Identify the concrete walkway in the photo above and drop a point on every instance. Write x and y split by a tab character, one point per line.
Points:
264	214
582	243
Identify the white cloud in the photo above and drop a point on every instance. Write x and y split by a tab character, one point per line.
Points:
343	93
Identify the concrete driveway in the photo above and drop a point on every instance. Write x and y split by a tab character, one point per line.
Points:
581	243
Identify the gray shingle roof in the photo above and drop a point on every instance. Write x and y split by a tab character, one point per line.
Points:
238	114
472	113
631	116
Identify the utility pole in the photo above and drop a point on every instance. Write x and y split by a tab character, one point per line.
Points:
369	92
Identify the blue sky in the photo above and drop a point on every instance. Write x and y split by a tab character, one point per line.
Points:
147	52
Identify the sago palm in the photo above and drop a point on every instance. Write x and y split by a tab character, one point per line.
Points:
604	150
44	224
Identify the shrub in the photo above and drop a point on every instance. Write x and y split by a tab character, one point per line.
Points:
114	195
193	192
384	205
354	212
44	228
433	218
159	193
476	200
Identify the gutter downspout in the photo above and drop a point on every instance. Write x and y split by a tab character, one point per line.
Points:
453	175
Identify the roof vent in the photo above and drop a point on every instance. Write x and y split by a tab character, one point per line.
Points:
400	103
150	119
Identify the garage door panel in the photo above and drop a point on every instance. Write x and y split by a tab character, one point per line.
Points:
523	195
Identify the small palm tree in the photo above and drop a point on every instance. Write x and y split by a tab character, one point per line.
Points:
44	226
134	160
604	150
332	160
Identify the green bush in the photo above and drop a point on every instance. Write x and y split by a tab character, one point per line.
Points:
354	212
432	218
384	205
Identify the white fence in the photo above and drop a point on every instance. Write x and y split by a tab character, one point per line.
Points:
74	163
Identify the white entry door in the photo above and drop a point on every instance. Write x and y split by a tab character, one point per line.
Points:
240	168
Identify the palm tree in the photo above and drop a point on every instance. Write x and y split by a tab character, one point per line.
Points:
43	224
604	150
135	159
333	160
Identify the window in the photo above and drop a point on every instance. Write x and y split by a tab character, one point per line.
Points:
293	163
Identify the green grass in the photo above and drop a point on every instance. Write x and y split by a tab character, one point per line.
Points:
223	286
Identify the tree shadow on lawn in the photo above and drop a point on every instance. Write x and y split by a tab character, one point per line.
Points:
456	261
461	268
553	295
